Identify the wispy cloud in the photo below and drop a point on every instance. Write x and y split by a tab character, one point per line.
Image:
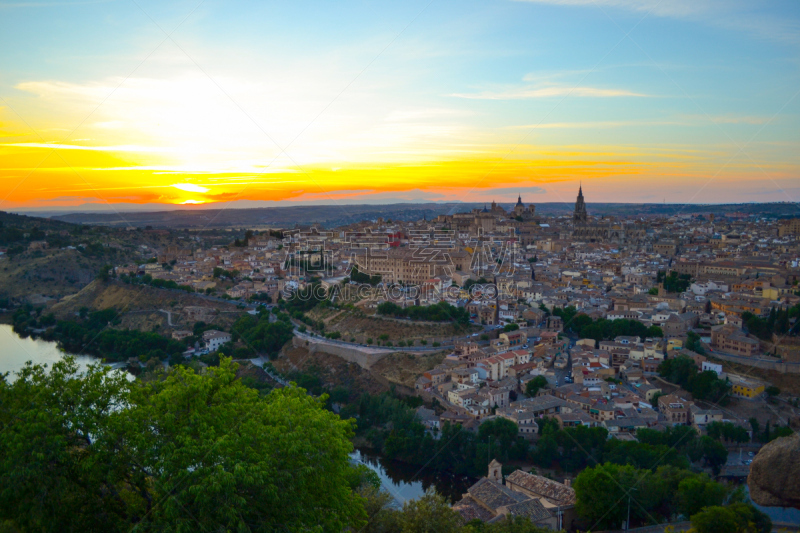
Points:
547	92
664	8
754	120
596	125
737	15
119	148
515	190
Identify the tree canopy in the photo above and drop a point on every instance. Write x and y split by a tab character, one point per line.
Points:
439	312
603	329
656	495
94	452
533	386
703	385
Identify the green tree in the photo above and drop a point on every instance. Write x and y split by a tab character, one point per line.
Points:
735	518
103	274
516	524
600	492
429	514
533	386
502	430
715	519
94	452
654	399
545	452
697	492
754	426
714	453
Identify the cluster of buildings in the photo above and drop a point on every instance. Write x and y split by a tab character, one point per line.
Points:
256	268
515	266
613	385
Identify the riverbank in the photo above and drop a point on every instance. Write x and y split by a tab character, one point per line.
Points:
15	351
408	482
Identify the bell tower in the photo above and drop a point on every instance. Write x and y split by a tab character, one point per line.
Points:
495	471
580	216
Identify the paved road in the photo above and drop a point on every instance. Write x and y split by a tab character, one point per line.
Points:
169	316
261	362
367	348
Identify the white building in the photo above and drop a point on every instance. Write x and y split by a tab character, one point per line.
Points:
712	366
215	339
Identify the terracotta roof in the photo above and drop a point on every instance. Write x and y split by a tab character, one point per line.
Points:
493	495
556	493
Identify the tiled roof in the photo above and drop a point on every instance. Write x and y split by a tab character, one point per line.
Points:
469	509
531	508
555	492
493	495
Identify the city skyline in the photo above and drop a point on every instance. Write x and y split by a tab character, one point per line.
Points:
197	102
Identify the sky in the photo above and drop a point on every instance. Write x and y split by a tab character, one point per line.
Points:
197	102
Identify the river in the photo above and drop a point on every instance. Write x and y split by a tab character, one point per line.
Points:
16	351
403	481
408	482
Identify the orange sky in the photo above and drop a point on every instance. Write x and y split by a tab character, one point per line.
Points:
50	175
694	101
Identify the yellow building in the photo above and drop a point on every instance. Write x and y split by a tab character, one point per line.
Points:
746	388
674	344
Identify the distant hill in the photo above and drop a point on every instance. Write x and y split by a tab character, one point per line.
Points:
337	215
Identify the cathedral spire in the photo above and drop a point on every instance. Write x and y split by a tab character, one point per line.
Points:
580	216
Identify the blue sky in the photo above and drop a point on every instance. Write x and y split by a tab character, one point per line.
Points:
690	100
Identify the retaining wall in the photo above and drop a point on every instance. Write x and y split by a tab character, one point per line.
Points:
352	354
763	363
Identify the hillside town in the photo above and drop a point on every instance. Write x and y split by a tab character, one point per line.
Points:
680	274
570	322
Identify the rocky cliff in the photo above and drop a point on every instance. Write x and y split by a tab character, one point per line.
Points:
774	478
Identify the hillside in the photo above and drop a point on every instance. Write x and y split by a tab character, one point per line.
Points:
141	306
43	274
44	260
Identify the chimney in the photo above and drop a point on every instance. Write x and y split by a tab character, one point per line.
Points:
568	482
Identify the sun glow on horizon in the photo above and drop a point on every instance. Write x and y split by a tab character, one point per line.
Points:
190	187
458	108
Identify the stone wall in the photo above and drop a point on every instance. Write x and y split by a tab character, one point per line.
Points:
765	363
364	358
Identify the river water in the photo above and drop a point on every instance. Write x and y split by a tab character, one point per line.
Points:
408	482
403	481
16	351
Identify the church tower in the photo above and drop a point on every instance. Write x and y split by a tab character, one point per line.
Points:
495	471
579	217
519	209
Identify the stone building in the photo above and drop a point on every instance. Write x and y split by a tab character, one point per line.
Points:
545	502
733	340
